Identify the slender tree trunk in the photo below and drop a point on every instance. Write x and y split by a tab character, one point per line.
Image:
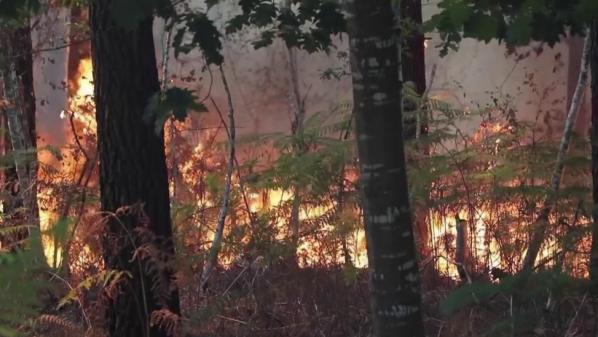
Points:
461	249
540	226
133	176
212	259
16	64
594	142
297	130
394	274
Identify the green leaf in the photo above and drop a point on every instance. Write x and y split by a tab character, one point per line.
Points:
459	12
16	11
482	27
520	30
174	102
467	295
204	35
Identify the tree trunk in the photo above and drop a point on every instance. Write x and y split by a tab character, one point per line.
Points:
16	64
133	176
461	249
594	142
212	258
540	226
300	149
413	65
394	274
413	58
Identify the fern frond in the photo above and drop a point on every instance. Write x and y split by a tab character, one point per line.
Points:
55	321
166	320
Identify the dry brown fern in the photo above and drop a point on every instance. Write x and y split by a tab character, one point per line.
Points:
62	323
167	320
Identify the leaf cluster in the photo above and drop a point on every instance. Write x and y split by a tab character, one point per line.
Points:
516	22
307	24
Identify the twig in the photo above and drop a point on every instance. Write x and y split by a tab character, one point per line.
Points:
236	279
231	319
583	300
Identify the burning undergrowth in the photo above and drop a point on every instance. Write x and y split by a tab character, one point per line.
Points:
295	215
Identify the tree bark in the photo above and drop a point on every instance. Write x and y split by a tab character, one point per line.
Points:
594	142
394	275
19	114
133	175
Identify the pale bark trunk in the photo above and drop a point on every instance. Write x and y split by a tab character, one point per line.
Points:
394	273
26	166
212	259
540	226
19	110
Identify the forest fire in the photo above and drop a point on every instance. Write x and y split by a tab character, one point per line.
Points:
79	122
249	148
482	249
81	102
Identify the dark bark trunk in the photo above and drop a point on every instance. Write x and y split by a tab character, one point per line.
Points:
413	66
133	176
594	142
413	59
413	63
461	249
20	178
394	274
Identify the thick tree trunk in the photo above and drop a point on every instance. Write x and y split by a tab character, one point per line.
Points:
594	142
394	274
18	111
133	176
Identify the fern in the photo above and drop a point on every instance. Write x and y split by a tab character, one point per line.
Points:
19	285
104	279
166	320
61	323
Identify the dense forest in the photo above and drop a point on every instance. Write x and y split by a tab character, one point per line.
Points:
305	168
